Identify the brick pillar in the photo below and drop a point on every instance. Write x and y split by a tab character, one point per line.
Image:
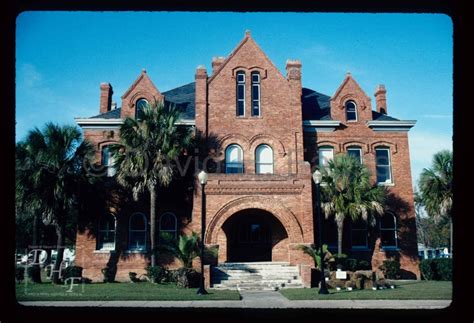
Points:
207	276
105	97
217	63
381	99
201	99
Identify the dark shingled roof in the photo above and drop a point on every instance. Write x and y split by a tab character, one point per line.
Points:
316	105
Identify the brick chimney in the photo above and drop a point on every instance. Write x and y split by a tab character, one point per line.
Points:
381	99
216	63
105	97
201	99
293	75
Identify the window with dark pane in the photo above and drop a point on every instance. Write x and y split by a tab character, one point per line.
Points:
106	234
137	232
255	94
388	230
356	153
351	111
168	227
359	234
240	93
383	167
139	107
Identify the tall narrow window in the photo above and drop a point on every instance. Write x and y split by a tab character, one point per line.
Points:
108	161
351	111
355	152
255	94
330	233
234	160
388	231
168	226
264	160
137	232
383	165
106	234
240	93
139	106
325	155
359	234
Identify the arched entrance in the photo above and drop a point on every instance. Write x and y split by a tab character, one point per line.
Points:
255	235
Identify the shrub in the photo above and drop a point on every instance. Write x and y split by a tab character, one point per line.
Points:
427	270
33	272
350	264
436	269
109	274
188	278
339	261
72	271
133	277
391	269
19	274
156	274
210	255
363	265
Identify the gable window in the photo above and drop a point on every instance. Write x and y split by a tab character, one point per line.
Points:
355	152
240	94
108	161
383	165
106	234
168	226
325	154
255	94
351	111
139	107
137	232
388	231
264	160
359	234
234	160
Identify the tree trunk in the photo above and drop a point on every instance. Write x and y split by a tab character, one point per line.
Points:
153	225
60	250
339	239
36	277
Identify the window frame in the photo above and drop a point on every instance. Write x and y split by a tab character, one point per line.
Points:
366	235
320	159
100	233
137	107
227	163
130	231
259	163
241	84
353	148
394	229
258	100
110	169
175	224
355	111
389	166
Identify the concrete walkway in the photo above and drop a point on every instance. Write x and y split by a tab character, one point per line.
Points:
257	300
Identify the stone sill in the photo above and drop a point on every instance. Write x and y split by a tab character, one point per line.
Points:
103	251
386	184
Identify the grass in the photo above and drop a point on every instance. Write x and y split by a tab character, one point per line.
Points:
403	290
116	291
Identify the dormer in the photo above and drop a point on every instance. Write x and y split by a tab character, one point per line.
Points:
141	92
350	104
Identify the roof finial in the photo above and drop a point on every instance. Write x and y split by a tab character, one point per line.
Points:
247	33
348	73
143	70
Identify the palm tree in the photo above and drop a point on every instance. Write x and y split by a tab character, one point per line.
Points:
316	254
146	154
347	193
185	249
436	188
49	172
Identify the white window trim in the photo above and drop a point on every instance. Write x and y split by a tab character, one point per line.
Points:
175	224
243	83
321	149
395	232
257	162
227	164
391	183
130	231
110	167
360	152
259	95
100	233
356	114
361	247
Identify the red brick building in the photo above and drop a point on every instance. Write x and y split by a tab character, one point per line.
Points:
269	134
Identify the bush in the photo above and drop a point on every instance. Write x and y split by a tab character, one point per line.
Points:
156	274
391	269
350	264
427	270
339	261
19	274
72	271
34	273
188	278
109	274
436	269
364	265
133	277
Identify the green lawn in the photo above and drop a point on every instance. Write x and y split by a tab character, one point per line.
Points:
404	290
116	291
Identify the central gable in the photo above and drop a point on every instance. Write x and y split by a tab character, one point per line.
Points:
142	88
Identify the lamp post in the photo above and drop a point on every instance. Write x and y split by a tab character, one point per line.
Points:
317	177
202	176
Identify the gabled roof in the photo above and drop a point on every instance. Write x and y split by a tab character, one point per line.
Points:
316	105
143	76
112	114
348	79
382	117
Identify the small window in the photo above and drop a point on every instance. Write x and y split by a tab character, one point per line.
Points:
330	233
234	160
383	165
240	94
388	231
255	94
355	152
139	107
137	232
108	161
106	234
325	155
359	234
168	226
264	160
351	111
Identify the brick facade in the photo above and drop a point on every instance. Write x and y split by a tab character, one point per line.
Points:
286	195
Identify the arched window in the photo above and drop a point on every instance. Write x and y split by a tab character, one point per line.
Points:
355	152
388	231
240	93
325	154
234	160
108	161
264	160
139	106
359	234
351	111
106	234
383	165
168	226
137	228
255	94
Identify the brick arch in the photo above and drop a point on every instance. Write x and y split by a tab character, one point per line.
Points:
270	140
335	145
354	143
382	143
239	139
151	98
285	216
360	100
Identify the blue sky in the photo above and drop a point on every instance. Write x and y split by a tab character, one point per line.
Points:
62	57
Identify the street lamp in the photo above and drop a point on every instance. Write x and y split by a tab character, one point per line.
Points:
317	177
202	176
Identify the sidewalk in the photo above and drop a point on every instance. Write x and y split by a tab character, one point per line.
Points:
257	300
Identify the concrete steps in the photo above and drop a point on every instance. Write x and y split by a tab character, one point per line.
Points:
255	276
